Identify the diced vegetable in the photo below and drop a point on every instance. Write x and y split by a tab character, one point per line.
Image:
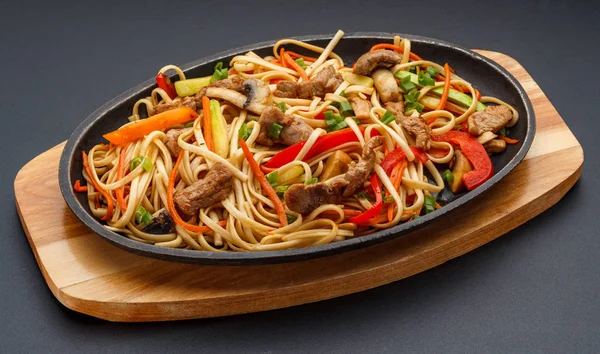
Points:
339	126
335	165
413	105
272	178
360	80
448	176
244	132
406	83
189	125
275	130
416	216
432	71
219	129
453	95
146	126
425	79
281	106
142	216
300	62
446	90
220	73
429	204
79	188
346	108
388	117
143	160
412	96
191	86
503	131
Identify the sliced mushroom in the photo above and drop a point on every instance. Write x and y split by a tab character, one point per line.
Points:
335	165
485	137
495	146
257	95
460	167
386	85
378	58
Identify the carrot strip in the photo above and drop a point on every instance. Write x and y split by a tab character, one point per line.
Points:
444	97
146	126
295	55
283	63
266	186
171	204
79	188
120	173
207	126
400	50
295	65
109	202
508	140
377	219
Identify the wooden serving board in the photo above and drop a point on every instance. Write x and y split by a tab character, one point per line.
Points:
88	275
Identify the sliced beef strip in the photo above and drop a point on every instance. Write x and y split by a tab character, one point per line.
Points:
378	58
171	142
286	89
213	188
361	107
416	127
303	199
163	107
306	198
359	172
396	108
492	119
294	129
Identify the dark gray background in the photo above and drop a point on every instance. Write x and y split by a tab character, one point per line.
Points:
537	289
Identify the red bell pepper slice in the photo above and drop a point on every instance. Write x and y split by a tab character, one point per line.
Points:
165	83
322	144
392	159
419	154
364	218
475	153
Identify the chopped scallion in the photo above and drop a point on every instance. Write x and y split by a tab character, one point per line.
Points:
339	126
388	199
280	190
448	176
244	132
275	130
346	108
432	71
502	131
291	218
429	204
300	62
414	105
425	79
220	73
312	181
412	96
189	125
416	216
143	160
142	216
406	84
272	178
281	106
388	117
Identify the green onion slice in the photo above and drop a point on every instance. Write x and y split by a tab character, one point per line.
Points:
275	130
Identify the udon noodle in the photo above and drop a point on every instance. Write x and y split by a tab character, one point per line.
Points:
131	184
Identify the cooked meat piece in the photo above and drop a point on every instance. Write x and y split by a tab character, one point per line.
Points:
171	142
286	89
303	198
161	224
361	107
163	107
214	187
235	83
359	172
326	81
397	109
495	146
378	58
416	127
294	129
492	119
386	85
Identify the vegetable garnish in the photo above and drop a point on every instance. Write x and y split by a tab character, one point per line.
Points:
171	204
79	188
429	204
275	130
164	82
291	218
141	160
406	84
425	79
207	124
280	190
412	96
364	218
432	71
244	132
475	153
388	117
142	216
446	87
300	62
110	205
272	178
448	176
413	106
281	106
146	126
312	181
218	128
220	73
346	108
264	183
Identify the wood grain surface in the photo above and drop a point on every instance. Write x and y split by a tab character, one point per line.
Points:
89	275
